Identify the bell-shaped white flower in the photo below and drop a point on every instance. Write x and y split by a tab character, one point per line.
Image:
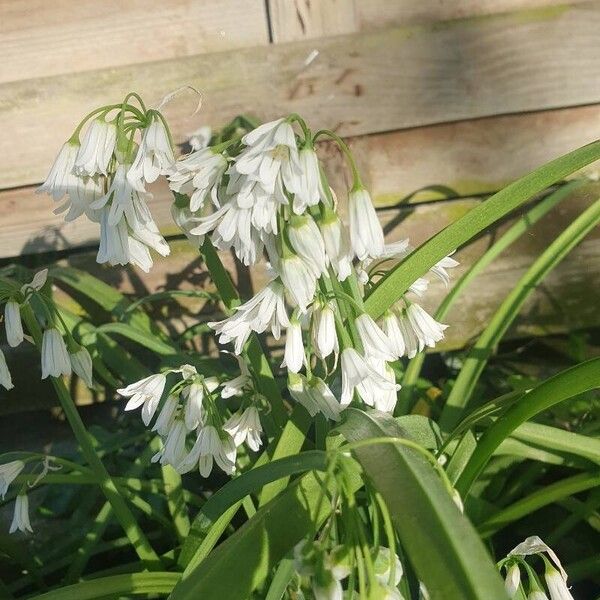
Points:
385	400
557	584
383	566
266	310
299	280
166	416
366	234
96	149
245	427
308	189
55	358
512	581
173	451
200	138
427	330
314	395
308	243
375	343
198	176
194	398
5	378
439	269
359	375
330	590
61	179
154	156
12	320
324	337
210	446
237	385
81	363
337	244
294	355
145	393
20	519
393	332
8	473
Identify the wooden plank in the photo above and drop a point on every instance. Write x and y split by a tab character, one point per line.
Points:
452	160
293	20
361	83
41	38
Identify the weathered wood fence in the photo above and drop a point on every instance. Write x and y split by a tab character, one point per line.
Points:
444	102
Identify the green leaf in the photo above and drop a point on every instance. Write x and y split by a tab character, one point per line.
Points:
139	337
544	497
508	311
389	289
441	544
521	226
137	584
568	383
244	560
237	489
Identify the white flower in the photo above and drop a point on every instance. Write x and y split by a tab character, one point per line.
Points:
411	341
299	280
270	154
537	595
166	416
173	451
366	234
145	393
337	245
5	378
308	185
557	584
154	156
265	310
194	397
21	515
81	363
209	447
245	427
427	330
8	473
419	287
308	243
127	229
186	221
200	138
198	175
358	374
293	356
14	327
331	591
439	269
324	337
385	400
383	566
375	343
512	581
314	395
235	386
96	148
391	328
55	358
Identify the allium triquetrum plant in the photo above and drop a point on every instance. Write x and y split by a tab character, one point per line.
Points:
303	476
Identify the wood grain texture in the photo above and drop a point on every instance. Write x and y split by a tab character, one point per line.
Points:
40	38
293	20
430	163
358	84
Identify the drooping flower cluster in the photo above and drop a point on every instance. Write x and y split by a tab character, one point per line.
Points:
104	175
58	358
554	575
190	408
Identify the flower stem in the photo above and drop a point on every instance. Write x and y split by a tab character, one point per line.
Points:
122	512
